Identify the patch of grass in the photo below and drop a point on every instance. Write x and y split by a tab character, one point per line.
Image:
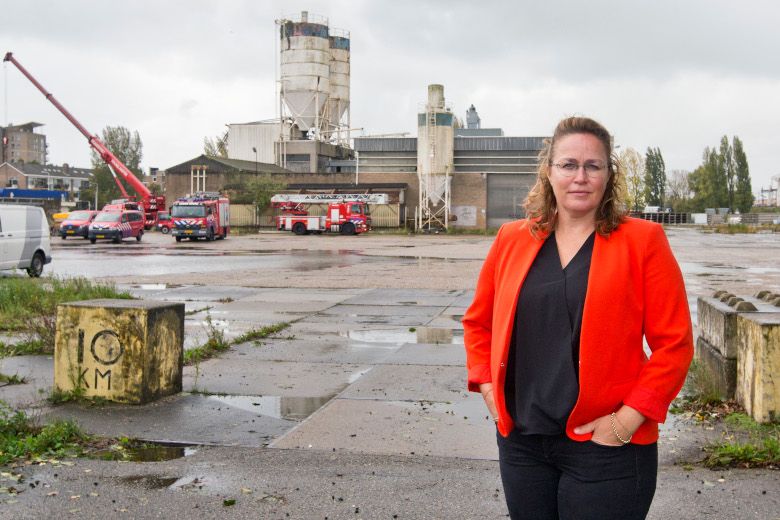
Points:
261	334
77	395
12	380
196	311
21	438
700	389
216	341
761	451
731	229
29	306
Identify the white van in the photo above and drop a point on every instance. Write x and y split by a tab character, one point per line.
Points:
24	238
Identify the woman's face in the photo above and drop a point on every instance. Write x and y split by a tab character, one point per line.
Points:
579	194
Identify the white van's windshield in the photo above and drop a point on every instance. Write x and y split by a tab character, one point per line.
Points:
108	217
188	212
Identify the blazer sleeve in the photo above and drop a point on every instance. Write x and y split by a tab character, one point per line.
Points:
478	322
667	328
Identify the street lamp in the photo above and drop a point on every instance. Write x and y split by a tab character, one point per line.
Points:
254	149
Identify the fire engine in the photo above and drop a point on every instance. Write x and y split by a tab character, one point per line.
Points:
202	214
148	204
347	214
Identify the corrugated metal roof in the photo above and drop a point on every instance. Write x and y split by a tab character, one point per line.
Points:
499	143
227	164
386	144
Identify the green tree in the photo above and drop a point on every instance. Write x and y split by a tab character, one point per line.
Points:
655	178
704	183
679	191
217	147
726	165
127	147
261	188
633	167
155	188
743	196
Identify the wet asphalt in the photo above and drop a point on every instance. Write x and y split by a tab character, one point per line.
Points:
357	410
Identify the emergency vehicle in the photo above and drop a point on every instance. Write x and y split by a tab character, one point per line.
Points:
117	225
203	214
347	214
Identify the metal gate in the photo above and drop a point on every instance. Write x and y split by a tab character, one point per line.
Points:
506	195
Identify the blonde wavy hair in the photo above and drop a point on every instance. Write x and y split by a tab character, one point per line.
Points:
541	206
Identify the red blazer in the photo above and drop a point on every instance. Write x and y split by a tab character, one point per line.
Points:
635	288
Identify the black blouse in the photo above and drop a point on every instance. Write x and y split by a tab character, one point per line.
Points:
542	381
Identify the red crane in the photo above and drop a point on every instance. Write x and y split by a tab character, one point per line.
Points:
149	201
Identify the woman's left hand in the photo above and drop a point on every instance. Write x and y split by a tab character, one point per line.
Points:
627	421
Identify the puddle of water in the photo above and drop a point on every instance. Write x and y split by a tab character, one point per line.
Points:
158	453
290	408
431	335
147	454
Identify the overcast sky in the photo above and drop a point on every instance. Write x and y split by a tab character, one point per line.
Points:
673	74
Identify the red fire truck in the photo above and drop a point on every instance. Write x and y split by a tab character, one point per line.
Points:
149	203
347	214
203	214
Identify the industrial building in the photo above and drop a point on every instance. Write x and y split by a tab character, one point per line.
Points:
470	177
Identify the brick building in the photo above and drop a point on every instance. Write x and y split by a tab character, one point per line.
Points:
21	143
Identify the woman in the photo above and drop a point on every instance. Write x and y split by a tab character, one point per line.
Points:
554	339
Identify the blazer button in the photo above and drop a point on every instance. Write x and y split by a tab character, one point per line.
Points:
502	364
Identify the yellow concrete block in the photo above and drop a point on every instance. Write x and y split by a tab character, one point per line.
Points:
129	351
758	365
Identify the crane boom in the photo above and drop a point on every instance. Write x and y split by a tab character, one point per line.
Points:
150	202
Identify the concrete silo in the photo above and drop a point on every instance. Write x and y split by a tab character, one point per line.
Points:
338	98
435	159
305	58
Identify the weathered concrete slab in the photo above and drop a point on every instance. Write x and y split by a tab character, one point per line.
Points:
422	354
411	383
399	428
361	319
245	376
404	335
296	295
465	299
38	372
212	293
184	418
383	310
406	297
315	351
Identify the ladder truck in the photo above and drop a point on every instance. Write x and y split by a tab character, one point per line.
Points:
347	213
149	203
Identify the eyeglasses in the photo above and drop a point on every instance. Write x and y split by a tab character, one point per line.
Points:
593	169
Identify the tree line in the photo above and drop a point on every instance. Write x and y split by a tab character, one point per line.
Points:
721	181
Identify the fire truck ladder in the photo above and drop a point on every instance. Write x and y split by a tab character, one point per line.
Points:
321	198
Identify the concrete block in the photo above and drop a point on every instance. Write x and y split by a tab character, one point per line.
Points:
722	370
717	324
129	351
758	365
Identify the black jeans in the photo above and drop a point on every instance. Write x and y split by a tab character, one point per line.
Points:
552	477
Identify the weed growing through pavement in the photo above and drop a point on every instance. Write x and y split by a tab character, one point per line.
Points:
216	341
761	448
700	389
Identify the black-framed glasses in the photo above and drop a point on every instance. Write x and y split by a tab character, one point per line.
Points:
593	169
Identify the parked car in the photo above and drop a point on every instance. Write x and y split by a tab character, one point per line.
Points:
24	238
117	225
163	222
77	224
